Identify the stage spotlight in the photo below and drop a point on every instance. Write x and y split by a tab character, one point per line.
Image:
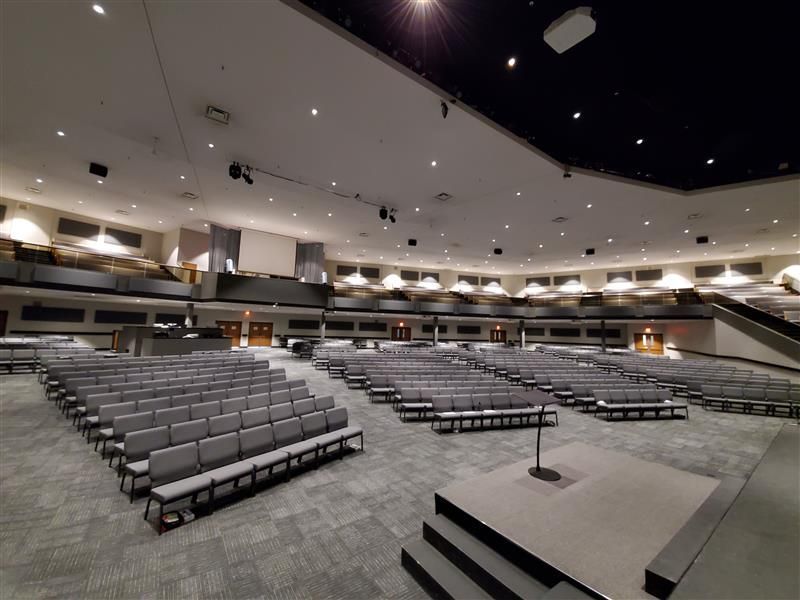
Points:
247	177
391	216
445	109
235	170
383	213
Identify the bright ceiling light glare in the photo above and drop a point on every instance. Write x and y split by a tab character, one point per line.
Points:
80	201
774	220
746	210
647	222
160	221
710	161
576	115
507	226
416	209
563	234
640	141
191	209
519	193
385	227
511	62
39	180
183	177
333	183
330	214
434	163
133	206
588	206
98	9
60	133
685	231
99	181
610	240
210	145
205	224
314	112
773	248
541	245
294	214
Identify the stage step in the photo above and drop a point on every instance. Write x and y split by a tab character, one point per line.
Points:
487	568
565	591
437	575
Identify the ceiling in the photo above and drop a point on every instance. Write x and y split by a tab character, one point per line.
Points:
129	89
692	80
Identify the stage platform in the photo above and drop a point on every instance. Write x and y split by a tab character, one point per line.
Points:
598	528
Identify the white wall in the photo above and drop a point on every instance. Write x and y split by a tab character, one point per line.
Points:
193	247
170	241
267	253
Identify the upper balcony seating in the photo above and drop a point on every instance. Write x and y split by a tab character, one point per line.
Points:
116	265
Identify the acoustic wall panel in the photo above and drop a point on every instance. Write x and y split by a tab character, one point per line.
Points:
303	324
88	231
534	331
565	332
649	275
488	280
753	268
345	270
619	277
468	329
166	318
261	252
470	279
122	238
159	287
567	279
409	275
340	325
52	313
428	328
434	276
371	272
709	271
372	327
597	333
543	281
120	316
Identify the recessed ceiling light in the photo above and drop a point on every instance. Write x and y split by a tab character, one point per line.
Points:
591	263
407	254
705	253
330	214
294	214
210	145
563	234
445	251
747	245
576	115
416	209
60	133
338	254
746	210
486	262
643	250
333	183
640	141
434	163
493	241
191	209
270	199
713	243
385	227
380	258
541	245
80	201
710	161
774	220
678	251
588	206
183	177
685	231
98	9
398	245
644	258
420	260
773	248
39	180
519	193
252	221
583	256
441	234
610	240
314	112
305	233
507	226
647	222
160	221
512	62
529	260
794	235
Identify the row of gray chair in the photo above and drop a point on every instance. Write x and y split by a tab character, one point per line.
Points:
634	402
483	408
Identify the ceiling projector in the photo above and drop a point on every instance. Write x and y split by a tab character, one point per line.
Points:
569	29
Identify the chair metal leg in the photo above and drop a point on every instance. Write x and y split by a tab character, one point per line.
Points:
147	509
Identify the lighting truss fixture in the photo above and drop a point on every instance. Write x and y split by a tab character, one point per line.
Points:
392	217
383	213
235	170
247	175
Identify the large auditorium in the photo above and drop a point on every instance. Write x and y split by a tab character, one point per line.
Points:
403	299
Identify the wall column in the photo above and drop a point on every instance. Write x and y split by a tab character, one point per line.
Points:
322	327
602	336
435	331
188	321
522	334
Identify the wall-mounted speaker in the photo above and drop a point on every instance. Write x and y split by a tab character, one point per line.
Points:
412	242
589	251
98	169
702	239
498	250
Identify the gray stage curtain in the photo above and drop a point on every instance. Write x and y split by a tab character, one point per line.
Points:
309	262
224	244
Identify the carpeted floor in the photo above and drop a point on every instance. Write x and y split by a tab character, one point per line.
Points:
66	530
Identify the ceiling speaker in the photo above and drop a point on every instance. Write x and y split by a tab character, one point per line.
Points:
98	169
702	239
412	242
498	250
589	251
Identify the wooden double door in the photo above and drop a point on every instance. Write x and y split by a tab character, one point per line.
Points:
260	334
649	343
497	336
233	330
401	334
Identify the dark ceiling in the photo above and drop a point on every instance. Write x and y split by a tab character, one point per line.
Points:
694	79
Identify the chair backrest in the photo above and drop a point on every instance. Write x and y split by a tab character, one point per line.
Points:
649	396
224	424
426	394
255	417
277	386
82	392
440	403
313	424
258	400
287	432
213	395
125	424
323	402
618	396
126	387
232	405
205	410
106	414
482	401
238	392
664	395
633	396
137	395
171	464
168	416
188	431
280	397
195	388
256	440
260	388
218	451
754	393
516	401
336	418
280	412
139	444
95	401
166	392
299	393
462	402
153	404
186	399
731	391
303	407
779	394
500	401
109	379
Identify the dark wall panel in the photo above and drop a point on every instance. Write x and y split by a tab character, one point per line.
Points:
120	316
610	333
345	270
371	272
709	271
470	279
52	313
649	275
565	332
303	324
619	276
434	276
370	326
80	229
567	279
428	328
543	281
468	329
123	238
534	331
159	287
178	318
409	275
340	325
264	291
753	268
488	280
76	278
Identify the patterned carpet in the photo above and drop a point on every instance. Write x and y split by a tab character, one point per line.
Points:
334	532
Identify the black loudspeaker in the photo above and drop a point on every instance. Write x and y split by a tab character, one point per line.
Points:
412	242
702	239
498	250
589	251
97	169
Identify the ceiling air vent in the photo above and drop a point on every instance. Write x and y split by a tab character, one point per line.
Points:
122	212
33	190
559	219
694	216
363	234
218	115
443	197
190	196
